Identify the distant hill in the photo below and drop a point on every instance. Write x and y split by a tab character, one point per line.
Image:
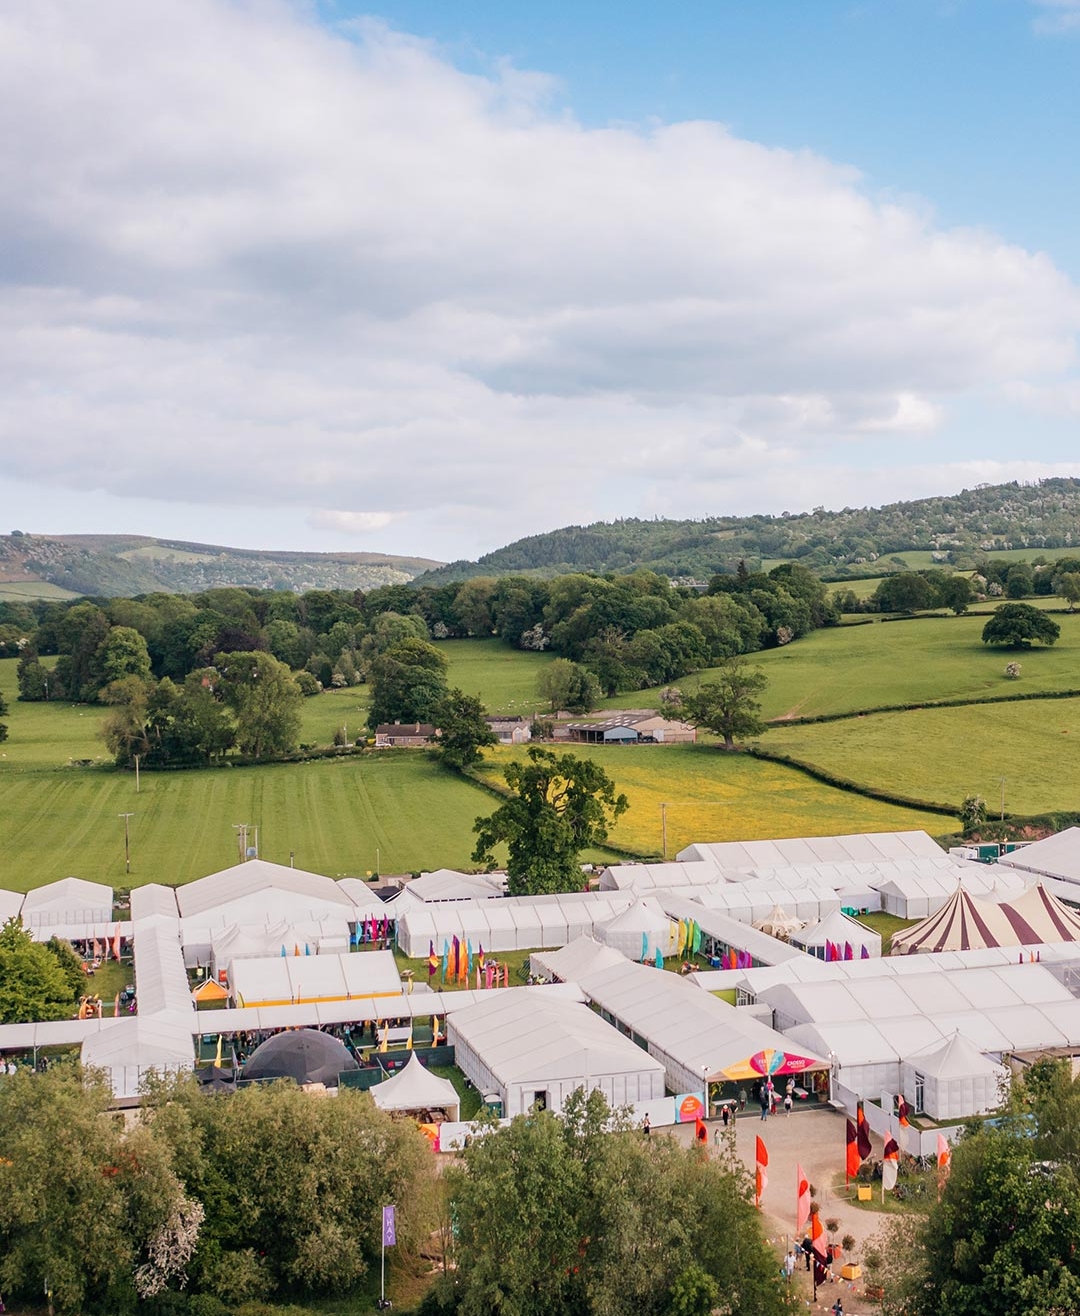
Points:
124	565
955	529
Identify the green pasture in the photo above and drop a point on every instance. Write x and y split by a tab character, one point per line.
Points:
944	754
23	591
844	669
503	679
395	809
714	796
862	589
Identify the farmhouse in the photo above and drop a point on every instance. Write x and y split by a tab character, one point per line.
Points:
403	735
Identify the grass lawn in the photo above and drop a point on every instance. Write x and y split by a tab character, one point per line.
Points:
395	809
944	754
886	925
843	669
862	589
713	796
503	679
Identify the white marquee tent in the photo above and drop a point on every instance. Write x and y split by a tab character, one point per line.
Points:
952	1081
530	1046
840	931
415	1089
71	901
641	930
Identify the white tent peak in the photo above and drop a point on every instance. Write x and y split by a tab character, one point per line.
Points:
957	1058
416	1088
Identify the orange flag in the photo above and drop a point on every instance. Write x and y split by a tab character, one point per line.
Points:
761	1179
854	1160
802	1201
944	1154
817	1236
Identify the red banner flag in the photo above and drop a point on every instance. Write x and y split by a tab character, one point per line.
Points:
761	1178
802	1200
854	1160
862	1129
903	1110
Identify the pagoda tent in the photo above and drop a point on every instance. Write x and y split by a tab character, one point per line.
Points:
583	955
415	1090
834	935
953	1081
638	932
1038	918
209	992
780	924
964	923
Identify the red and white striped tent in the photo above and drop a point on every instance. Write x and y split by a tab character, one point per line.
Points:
966	923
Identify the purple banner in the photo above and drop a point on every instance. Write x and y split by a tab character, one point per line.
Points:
389	1230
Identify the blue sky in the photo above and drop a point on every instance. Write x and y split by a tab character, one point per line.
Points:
428	277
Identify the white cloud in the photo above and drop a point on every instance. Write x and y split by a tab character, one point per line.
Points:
250	260
1056	16
349	523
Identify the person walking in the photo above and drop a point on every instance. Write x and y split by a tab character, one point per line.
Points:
646	1126
725	1114
789	1264
764	1099
807	1249
788	1103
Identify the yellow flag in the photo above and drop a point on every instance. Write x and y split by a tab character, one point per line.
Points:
682	938
408	1044
384	1041
217	1058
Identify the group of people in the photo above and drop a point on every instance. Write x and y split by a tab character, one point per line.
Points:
769	1099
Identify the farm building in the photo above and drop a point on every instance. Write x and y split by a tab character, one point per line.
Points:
510	730
642	727
532	1048
408	735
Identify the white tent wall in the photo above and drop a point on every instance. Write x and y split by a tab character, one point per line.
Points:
951	1098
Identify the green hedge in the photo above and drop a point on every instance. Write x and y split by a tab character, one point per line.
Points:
1016	698
852	787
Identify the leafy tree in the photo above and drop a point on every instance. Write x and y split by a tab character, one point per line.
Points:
124	728
80	635
972	812
563	684
408	682
955	593
265	700
34	982
728	706
559	806
88	1209
293	1186
1018	625
1068	586
33	678
462	733
1020	582
907	591
604	1223
121	654
607	658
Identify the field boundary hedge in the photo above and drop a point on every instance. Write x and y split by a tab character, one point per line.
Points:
913	706
833	779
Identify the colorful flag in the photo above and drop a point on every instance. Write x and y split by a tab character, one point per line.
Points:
863	1130
463	965
468	958
944	1154
445	958
802	1198
849	954
217	1057
644	947
851	1165
682	937
453	958
480	955
697	936
761	1163
890	1163
658	960
865	954
432	960
817	1236
434	1030
903	1109
389	1228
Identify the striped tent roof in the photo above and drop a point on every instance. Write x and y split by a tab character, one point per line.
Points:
966	923
963	923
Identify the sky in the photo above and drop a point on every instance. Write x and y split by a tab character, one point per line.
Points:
423	278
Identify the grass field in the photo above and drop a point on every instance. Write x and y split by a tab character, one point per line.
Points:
944	754
843	669
20	591
713	796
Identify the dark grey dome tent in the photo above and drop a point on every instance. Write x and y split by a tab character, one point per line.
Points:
305	1055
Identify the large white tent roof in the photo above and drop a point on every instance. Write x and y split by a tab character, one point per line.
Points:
957	1058
646	877
414	1088
153	898
1055	856
10	904
146	1043
271	886
72	900
732	932
584	955
842	931
863	847
521	1038
448	884
691	1032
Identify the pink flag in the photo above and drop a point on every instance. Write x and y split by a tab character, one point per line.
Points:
802	1198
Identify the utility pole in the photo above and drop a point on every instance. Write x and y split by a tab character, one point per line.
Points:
127	840
241	830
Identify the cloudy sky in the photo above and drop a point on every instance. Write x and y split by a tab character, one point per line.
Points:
426	277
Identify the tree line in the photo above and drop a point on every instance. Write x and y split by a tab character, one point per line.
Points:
188	679
995	578
207	1203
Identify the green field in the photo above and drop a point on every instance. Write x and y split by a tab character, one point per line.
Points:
713	796
503	679
844	669
21	591
944	754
